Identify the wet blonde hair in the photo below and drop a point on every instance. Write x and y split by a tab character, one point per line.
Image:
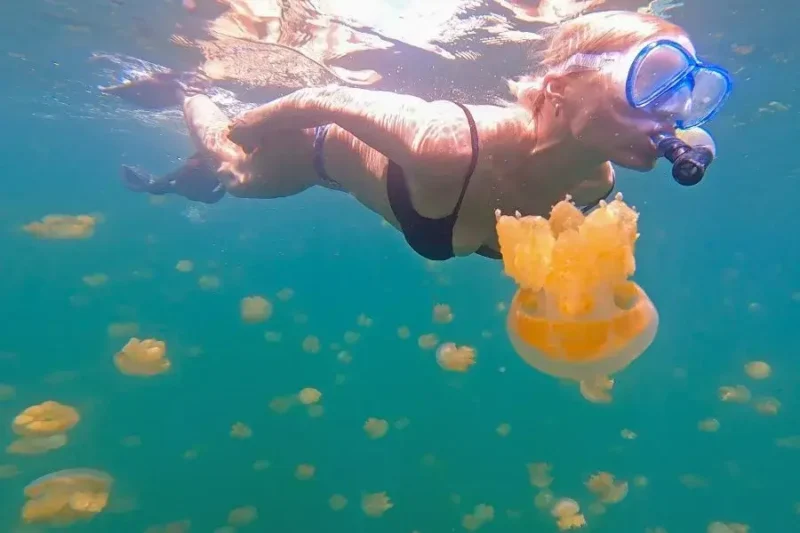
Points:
595	33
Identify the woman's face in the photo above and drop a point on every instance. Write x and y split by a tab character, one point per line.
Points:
601	118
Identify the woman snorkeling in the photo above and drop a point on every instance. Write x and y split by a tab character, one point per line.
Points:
612	86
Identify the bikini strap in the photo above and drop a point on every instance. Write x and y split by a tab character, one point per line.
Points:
320	132
473	133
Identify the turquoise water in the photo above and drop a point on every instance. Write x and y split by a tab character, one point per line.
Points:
720	262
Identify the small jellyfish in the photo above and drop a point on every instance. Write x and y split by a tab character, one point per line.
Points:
627	434
7	392
123	329
403	332
261	465
132	441
184	265
304	472
597	508
337	502
758	370
311	345
285	294
768	406
442	314
208	282
708	425
179	526
242	516
567	514
640	481
606	488
503	429
544	500
480	515
692	481
240	430
576	314
62	227
315	411
66	496
37	445
45	420
255	309
143	358
282	404
344	357
8	471
427	341
735	394
364	321
308	396
539	475
732	527
402	423
95	280
791	443
351	337
376	428
597	389
455	359
375	504
273	336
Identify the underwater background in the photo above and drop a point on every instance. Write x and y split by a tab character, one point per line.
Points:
721	262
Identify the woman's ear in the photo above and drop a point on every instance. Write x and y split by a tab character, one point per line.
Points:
555	88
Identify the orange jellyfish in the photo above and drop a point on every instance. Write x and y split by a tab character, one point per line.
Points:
62	227
142	358
45	420
576	314
66	496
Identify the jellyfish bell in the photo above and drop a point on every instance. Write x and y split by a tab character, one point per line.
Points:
63	497
576	315
601	344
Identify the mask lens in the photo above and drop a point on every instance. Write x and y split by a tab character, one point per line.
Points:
710	89
656	71
694	98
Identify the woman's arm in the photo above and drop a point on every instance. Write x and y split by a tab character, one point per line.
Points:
403	128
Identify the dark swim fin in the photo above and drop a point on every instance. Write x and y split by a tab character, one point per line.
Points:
158	90
140	181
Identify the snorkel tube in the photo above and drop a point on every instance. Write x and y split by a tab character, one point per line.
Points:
690	151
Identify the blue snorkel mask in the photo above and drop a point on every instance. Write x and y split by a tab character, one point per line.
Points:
668	79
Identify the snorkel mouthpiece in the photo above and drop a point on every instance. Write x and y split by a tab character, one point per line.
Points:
689	163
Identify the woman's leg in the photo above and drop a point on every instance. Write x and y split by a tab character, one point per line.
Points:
196	180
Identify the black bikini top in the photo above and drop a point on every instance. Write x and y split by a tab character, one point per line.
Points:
431	238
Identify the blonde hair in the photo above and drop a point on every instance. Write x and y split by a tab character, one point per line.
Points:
595	33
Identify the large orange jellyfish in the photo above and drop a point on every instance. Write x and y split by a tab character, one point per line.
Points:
66	496
576	314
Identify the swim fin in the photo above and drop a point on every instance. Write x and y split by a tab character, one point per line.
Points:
140	181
